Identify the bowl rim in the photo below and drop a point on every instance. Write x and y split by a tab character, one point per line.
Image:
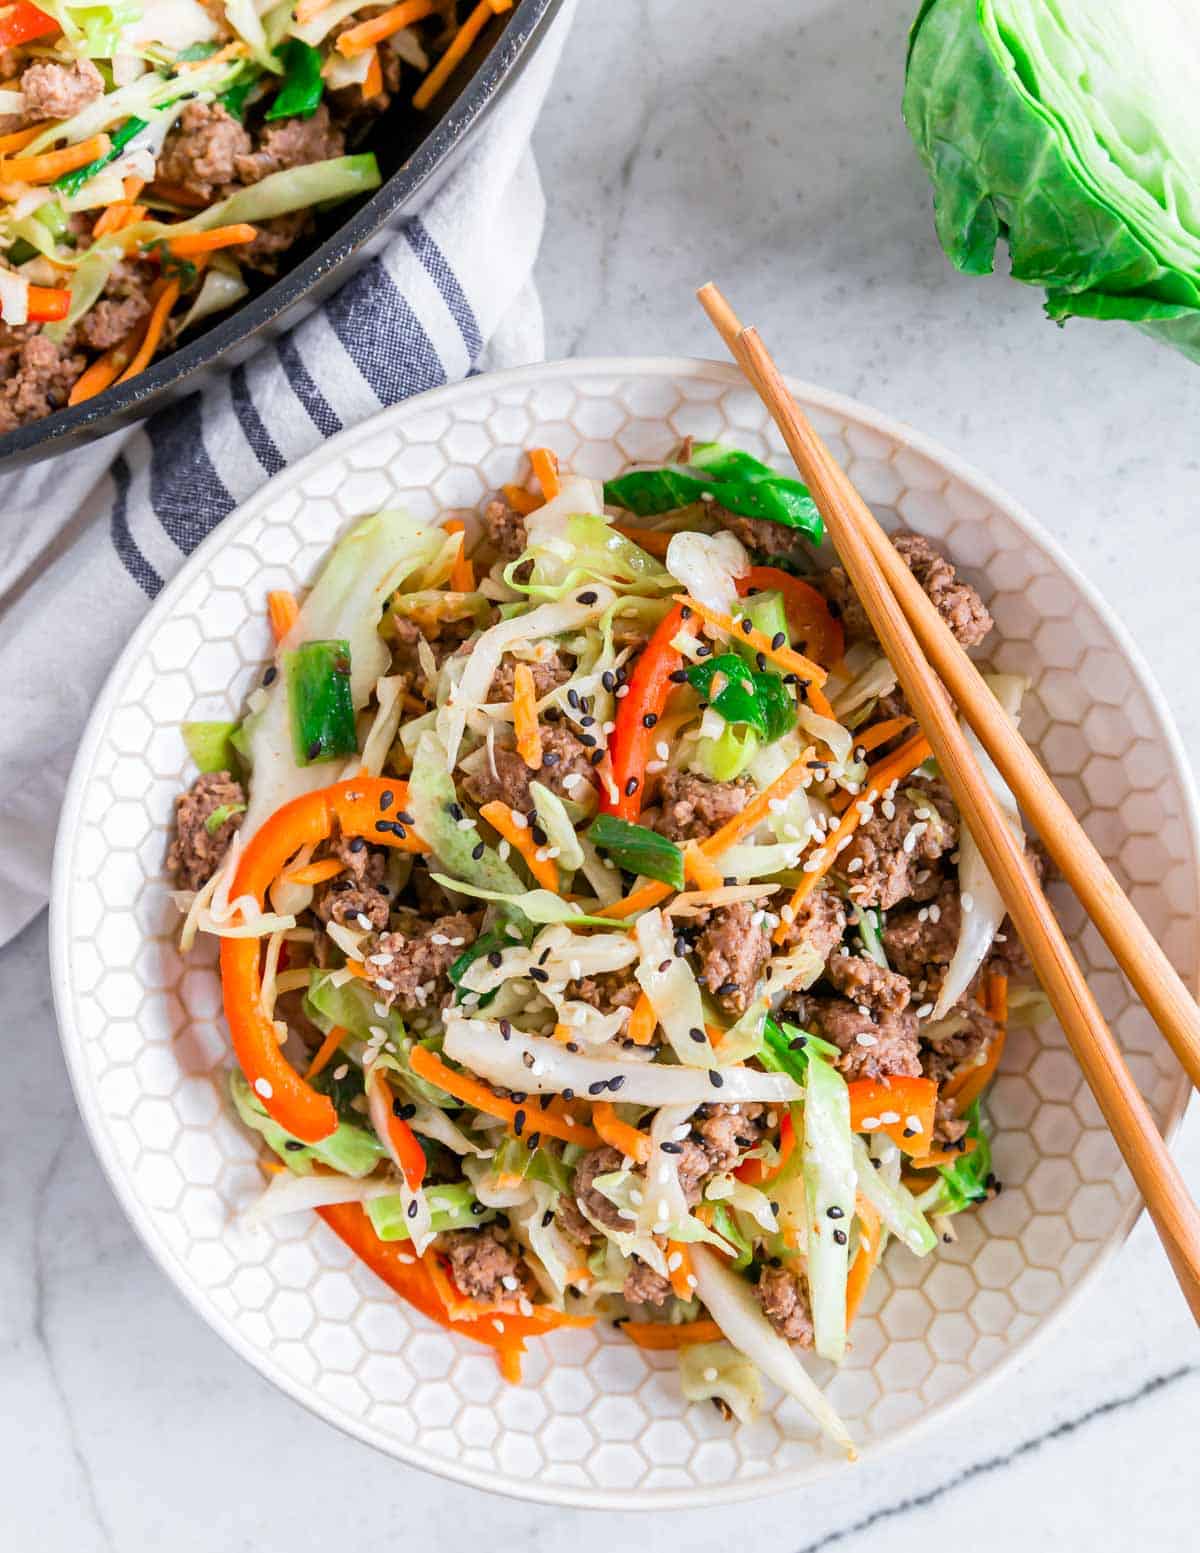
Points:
165	377
566	1495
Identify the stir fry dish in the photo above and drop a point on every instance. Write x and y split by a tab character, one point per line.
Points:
598	939
156	154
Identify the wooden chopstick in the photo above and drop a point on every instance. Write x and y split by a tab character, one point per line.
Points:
849	521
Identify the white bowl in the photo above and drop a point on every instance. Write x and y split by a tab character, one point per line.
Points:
596	1421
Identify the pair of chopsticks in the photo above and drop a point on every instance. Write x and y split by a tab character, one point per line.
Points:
928	663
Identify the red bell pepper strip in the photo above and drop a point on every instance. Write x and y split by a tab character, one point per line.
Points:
873	1099
406	1274
756	1172
21	23
47	304
408	1153
363	806
632	740
818	634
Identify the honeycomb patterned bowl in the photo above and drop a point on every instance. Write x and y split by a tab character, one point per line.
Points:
596	1421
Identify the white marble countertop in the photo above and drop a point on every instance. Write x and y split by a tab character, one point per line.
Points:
759	145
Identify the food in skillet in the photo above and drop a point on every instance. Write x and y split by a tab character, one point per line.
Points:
156	154
598	939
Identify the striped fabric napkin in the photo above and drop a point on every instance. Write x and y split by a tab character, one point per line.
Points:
88	540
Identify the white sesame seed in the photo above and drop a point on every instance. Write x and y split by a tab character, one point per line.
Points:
935	914
913	1123
710	1374
691	1280
404	1257
466	823
438	938
524	1306
870	1123
923	914
364	922
889	1118
510	1283
635	1197
889	809
519	820
925	1010
662	1209
854	865
340	1072
377	1033
863	1039
967	901
262	1086
674	1261
384	984
498	1324
663	750
622	692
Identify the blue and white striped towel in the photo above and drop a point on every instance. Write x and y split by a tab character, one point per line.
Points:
89	539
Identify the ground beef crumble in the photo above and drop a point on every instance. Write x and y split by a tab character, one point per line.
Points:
563	757
889	852
958	603
865	982
783	1295
485	1267
692	807
871	1046
418	955
196	851
733	951
643	1286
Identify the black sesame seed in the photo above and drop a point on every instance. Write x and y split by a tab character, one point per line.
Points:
649	720
478	851
539	835
608	680
587	722
598	1087
791	679
544	1101
478	1209
572	1046
357	843
681	947
412	1209
948	1238
384	825
727	989
910	1132
527	1059
456	811
798	1043
587	738
747	626
685	613
405	817
596	757
573	698
386	799
616	1081
505	1029
518	1122
547	1218
588	598
671	1148
779	640
760	661
835	1212
716	1079
704	650
271	675
664	966
678	677
537	974
631	787
729	879
550	757
495	959
517	1096
775	1209
568	1094
293	1145
840	1236
314	749
697	1035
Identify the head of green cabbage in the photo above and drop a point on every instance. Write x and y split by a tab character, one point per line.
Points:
1070	128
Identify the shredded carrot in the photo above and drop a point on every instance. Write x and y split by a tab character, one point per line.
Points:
462	573
306	10
868	739
944	1156
460	1307
53	164
314	873
19	138
642	1022
682	1281
870	1244
966	1084
554	1122
237	49
786	657
372	84
545	471
894	769
525	718
326	1051
133	186
702	872
500	817
819	704
163	304
665	1335
283	611
458	50
189	244
357	40
176	194
620	1135
520	500
103	372
654	541
118	216
563	1033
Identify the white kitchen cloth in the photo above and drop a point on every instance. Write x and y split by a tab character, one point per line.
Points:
88	539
